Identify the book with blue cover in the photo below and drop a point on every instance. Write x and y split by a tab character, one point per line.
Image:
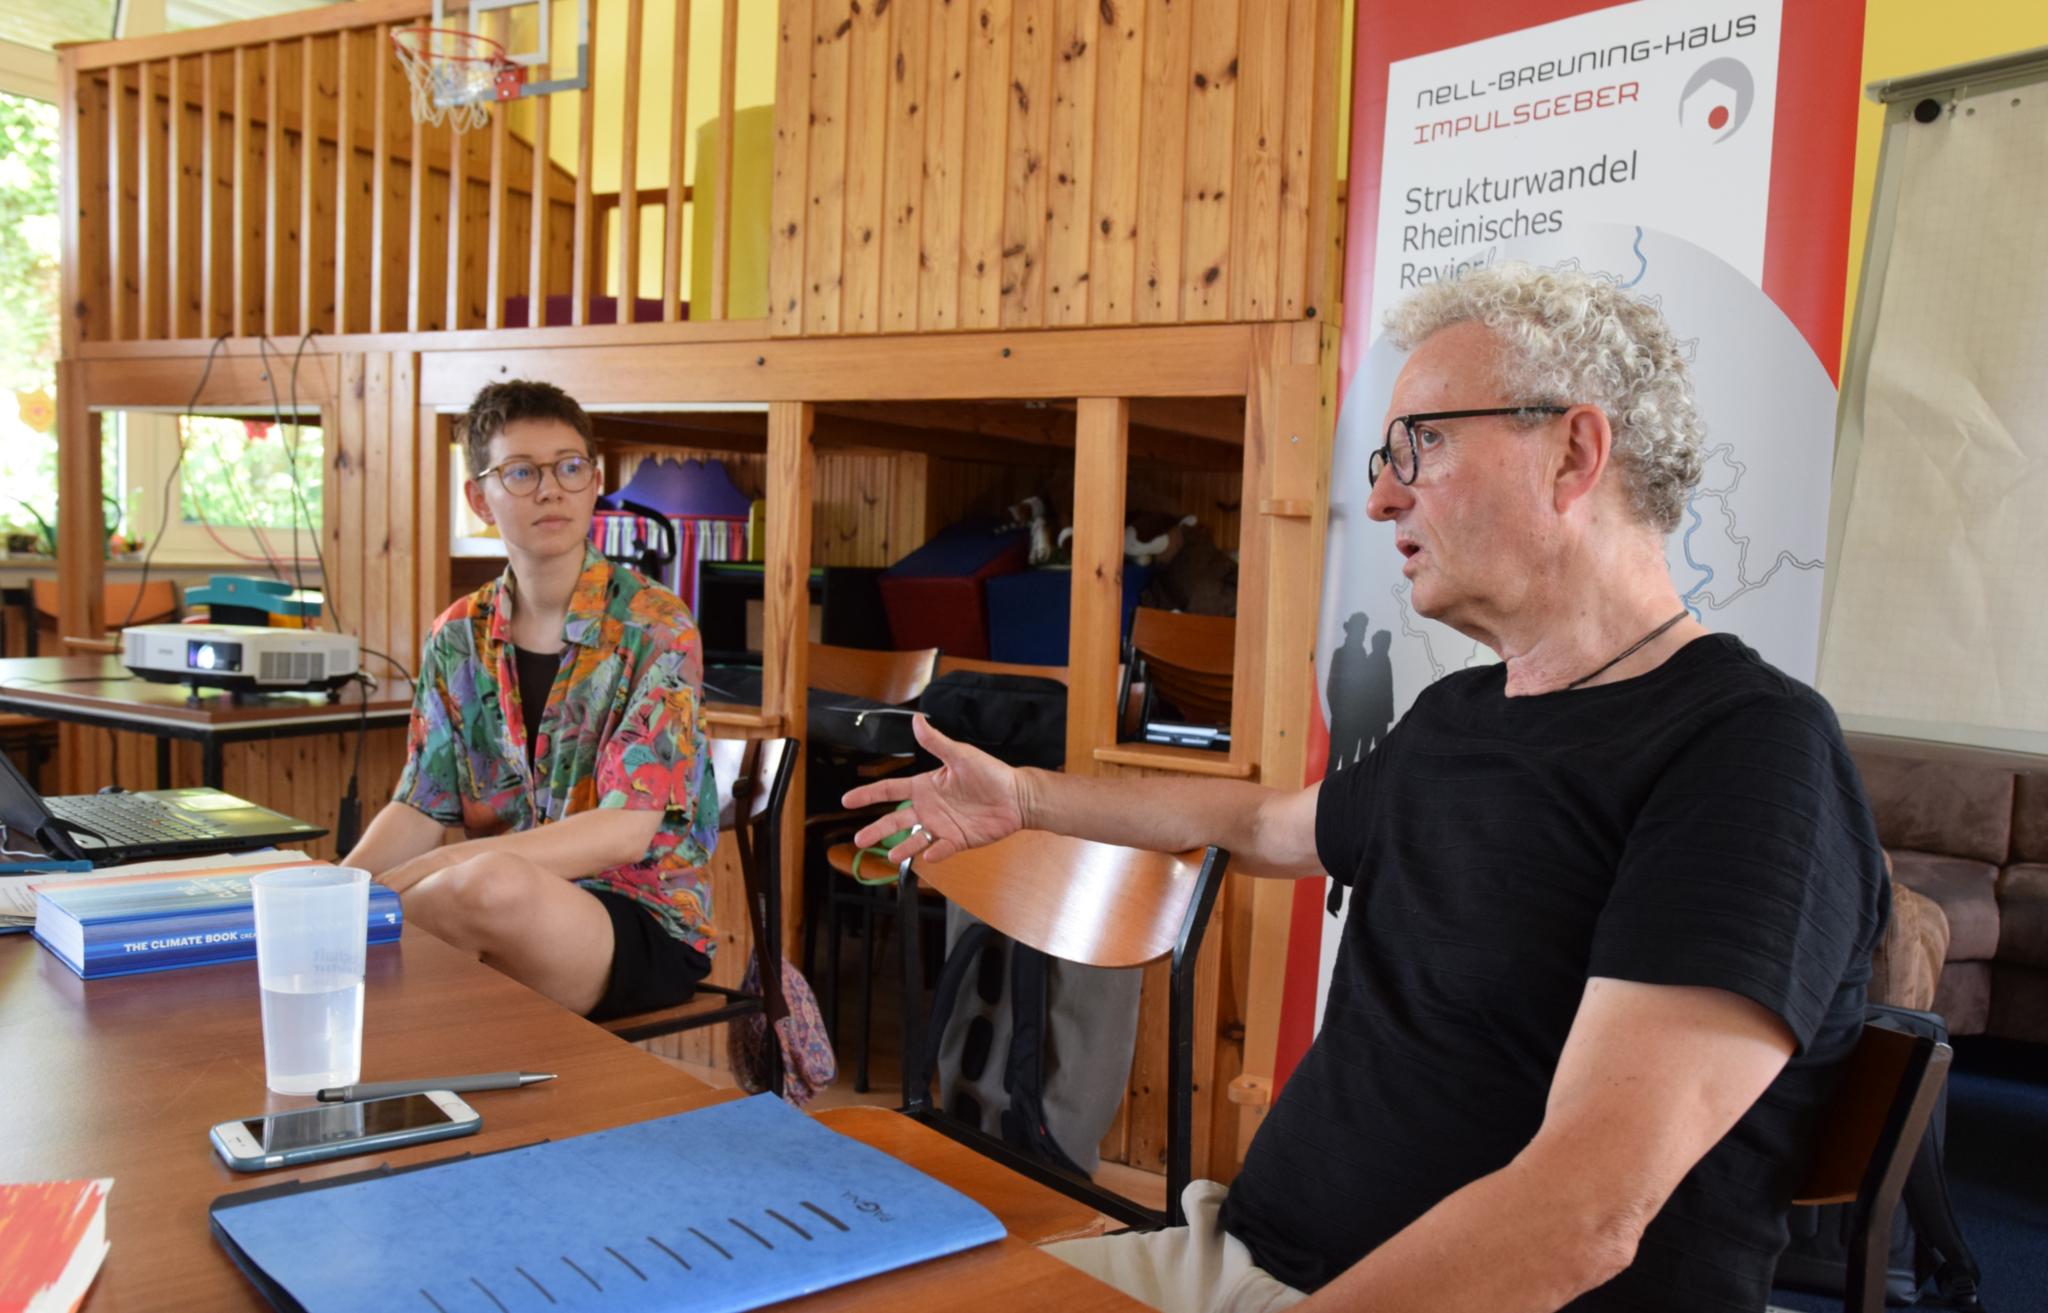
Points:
727	1208
123	926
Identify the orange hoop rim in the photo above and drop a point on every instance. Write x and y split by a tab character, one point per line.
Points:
409	40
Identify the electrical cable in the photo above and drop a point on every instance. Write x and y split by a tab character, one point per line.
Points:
163	518
349	817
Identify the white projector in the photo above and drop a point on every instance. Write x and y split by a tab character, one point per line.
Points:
240	658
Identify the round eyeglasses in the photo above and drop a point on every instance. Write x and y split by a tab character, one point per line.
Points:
521	477
1408	436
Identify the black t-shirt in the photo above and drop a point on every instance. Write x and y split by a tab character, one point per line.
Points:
1702	824
537	671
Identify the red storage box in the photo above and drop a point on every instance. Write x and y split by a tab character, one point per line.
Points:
934	596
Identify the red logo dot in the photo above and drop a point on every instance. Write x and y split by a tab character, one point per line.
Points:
1717	118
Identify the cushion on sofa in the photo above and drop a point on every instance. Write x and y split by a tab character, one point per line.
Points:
1940	806
2030	818
1964	999
1906	968
2023	914
1968	894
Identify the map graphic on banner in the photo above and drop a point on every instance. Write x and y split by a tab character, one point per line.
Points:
1633	143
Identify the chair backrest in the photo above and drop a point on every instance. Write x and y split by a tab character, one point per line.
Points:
159	601
893	677
1093	903
1872	1127
949	664
1198	644
771	769
1188	660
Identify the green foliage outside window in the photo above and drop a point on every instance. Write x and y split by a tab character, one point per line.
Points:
241	473
28	311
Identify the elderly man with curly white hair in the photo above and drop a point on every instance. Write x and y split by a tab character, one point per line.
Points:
1614	898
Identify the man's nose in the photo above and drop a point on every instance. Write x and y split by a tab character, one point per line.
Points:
1389	496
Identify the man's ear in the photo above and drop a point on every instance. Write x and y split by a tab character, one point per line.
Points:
1588	445
475	493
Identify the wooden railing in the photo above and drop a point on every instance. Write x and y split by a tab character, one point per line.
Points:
268	178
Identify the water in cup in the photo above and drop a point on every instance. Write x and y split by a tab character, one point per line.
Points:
312	925
313	1032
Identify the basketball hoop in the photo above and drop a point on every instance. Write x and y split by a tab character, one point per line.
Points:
455	75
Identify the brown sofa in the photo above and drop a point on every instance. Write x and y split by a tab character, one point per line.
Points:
1972	836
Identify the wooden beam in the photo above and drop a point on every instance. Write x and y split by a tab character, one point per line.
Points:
721	176
70	196
380	179
345	207
1171	361
209	209
494	223
785	641
537	234
254	32
678	160
239	197
81	545
152	211
273	188
629	168
580	253
790	184
1101	458
1051	425
120	220
177	226
416	236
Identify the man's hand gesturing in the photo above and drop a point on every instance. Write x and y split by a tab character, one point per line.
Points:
970	800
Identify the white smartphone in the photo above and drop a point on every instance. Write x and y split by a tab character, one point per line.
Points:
336	1130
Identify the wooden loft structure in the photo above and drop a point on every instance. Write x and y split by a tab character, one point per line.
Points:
1100	234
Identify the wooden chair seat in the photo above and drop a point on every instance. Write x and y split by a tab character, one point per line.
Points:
1189	660
1092	903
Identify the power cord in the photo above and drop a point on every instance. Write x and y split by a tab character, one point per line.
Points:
291	455
163	518
348	821
298	491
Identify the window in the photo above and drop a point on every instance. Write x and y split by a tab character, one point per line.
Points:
236	497
28	318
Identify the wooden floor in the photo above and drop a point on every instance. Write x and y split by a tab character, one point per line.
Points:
885	1070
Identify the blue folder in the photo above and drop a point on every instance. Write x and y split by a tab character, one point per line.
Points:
723	1209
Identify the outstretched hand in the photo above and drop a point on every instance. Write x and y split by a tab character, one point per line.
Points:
970	800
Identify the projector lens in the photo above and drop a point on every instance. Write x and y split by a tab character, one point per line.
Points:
200	655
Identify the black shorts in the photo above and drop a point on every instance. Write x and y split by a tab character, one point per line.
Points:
651	968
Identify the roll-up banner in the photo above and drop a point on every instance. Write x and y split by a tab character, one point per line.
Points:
1698	152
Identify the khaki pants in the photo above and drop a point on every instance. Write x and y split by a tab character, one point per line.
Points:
1195	1268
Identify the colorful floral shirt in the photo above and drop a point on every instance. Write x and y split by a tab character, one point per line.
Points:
624	727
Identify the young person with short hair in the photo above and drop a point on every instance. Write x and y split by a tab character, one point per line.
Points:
559	722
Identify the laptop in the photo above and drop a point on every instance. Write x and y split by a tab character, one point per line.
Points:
110	828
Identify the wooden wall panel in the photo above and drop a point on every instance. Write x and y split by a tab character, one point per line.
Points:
1052	162
1025	214
1071	162
867	116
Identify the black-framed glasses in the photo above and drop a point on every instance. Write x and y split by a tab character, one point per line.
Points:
521	477
1408	436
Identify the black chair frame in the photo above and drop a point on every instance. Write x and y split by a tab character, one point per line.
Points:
920	1053
758	837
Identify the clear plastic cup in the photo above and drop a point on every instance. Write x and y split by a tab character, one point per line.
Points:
312	925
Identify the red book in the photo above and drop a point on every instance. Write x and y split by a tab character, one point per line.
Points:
53	1235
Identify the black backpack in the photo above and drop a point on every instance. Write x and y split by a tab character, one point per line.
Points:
1930	1263
1019	719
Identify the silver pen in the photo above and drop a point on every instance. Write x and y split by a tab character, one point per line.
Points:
497	1080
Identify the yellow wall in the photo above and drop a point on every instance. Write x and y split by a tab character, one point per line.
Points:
1903	37
753	84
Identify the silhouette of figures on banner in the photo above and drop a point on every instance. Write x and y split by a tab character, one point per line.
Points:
1361	693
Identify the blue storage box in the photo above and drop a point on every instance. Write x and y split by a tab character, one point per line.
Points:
1028	613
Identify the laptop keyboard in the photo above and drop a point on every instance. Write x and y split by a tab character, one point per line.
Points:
126	819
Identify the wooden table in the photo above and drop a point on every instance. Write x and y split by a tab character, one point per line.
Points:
98	690
122	1078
